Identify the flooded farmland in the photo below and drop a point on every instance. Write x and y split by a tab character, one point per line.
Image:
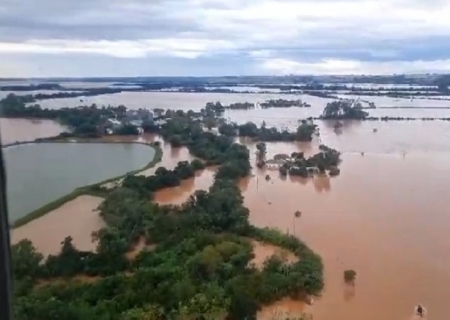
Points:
20	130
385	215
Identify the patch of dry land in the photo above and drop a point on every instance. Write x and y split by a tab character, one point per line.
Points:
77	218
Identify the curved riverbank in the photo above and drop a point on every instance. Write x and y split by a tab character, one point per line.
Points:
92	189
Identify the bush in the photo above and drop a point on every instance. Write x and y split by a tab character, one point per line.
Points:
349	276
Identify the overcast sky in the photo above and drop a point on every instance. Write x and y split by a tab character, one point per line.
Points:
222	37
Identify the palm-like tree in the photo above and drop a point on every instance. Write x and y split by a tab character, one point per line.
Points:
297	214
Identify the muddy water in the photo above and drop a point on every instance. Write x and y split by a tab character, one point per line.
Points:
170	158
13	130
385	216
263	251
178	195
77	218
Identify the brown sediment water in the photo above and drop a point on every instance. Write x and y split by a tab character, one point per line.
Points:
385	217
170	156
19	130
178	195
286	308
77	218
263	251
138	247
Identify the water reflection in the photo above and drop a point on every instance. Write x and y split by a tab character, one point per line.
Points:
321	183
349	292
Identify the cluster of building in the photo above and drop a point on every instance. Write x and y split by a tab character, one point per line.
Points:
134	118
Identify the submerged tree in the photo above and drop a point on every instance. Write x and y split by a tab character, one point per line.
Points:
349	276
262	150
344	109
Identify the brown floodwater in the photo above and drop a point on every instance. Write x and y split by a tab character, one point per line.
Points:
263	251
77	218
13	130
385	217
178	195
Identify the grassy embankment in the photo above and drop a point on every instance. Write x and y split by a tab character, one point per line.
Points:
93	189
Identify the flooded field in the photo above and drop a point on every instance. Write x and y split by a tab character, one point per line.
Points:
196	101
386	215
77	218
13	130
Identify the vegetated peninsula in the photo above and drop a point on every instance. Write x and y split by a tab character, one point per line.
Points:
198	261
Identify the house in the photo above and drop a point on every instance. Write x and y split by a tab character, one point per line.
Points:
113	124
138	117
158	113
274	164
136	123
281	156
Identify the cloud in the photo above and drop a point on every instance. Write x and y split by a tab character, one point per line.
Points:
342	67
185	48
274	34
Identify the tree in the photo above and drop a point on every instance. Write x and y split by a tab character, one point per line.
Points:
26	260
248	129
262	150
343	109
197	165
349	276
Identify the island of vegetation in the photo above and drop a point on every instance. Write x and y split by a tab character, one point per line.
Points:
297	164
281	103
198	261
344	109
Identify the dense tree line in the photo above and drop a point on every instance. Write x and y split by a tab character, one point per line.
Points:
326	159
343	109
163	178
200	265
85	121
305	131
281	103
